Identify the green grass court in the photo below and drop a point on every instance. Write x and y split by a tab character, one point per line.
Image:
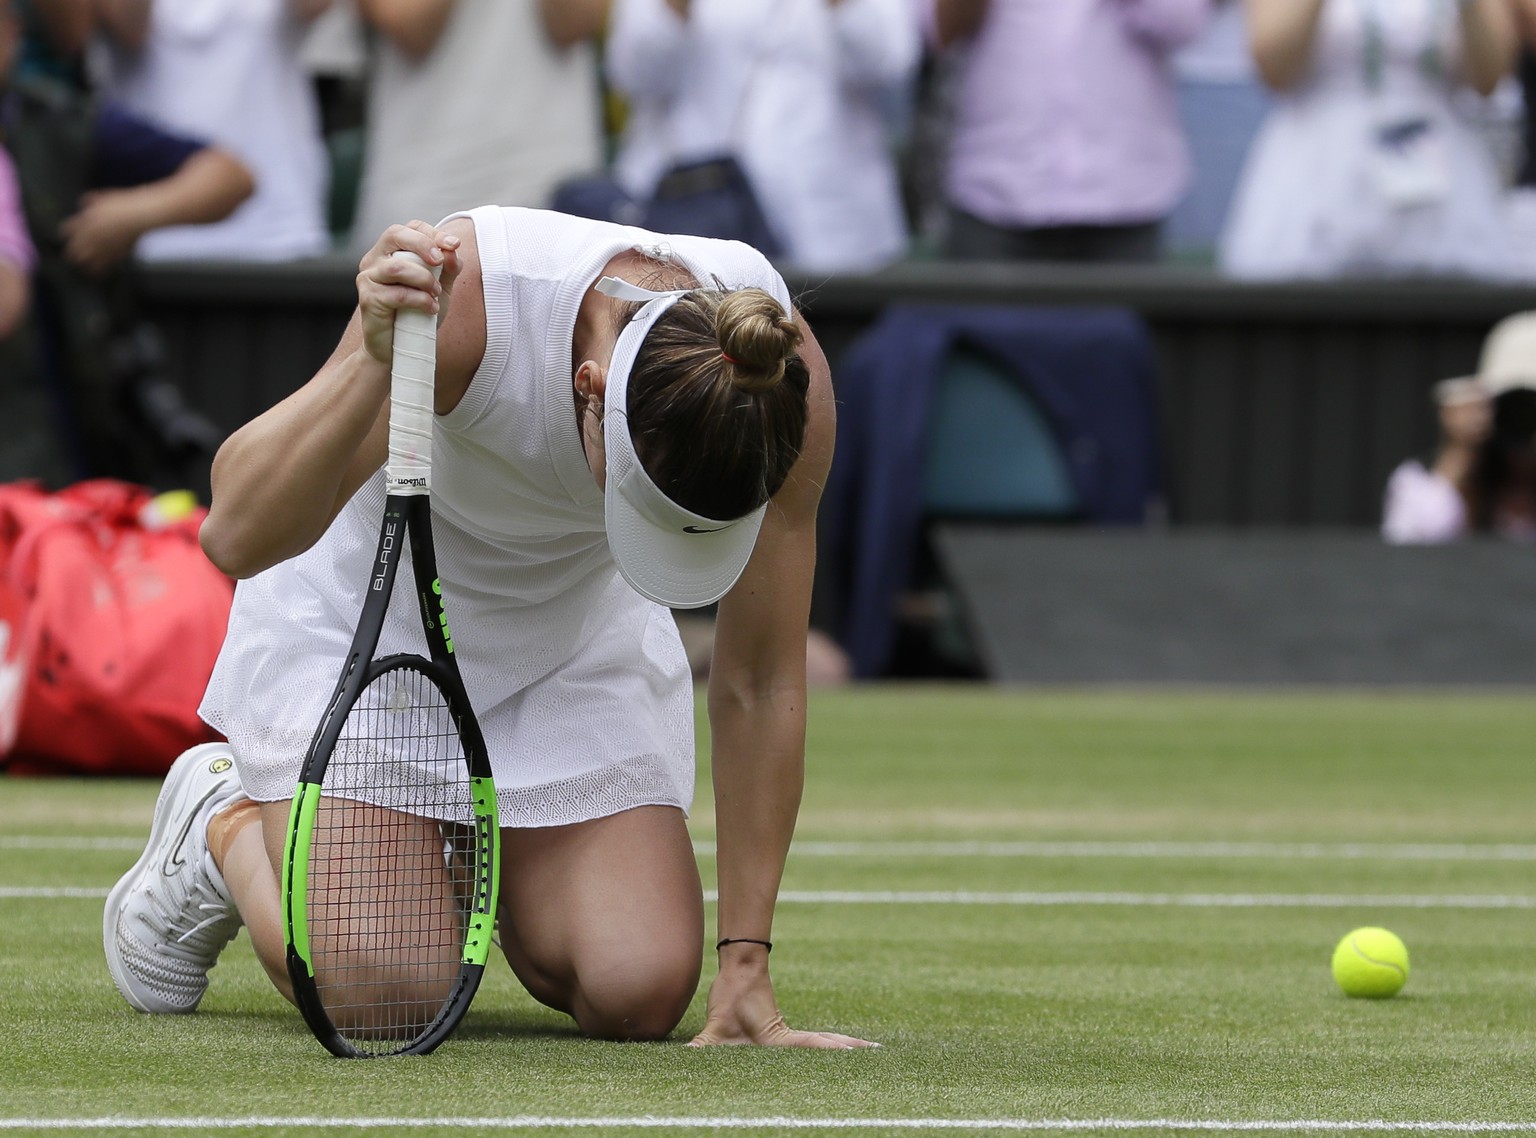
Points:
1059	912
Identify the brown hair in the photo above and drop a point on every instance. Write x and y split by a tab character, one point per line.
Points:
717	401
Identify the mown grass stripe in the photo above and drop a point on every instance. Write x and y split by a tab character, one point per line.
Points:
654	1122
55	842
1163	900
1193	851
1146	900
1279	851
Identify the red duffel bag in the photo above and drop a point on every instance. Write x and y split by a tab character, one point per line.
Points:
111	618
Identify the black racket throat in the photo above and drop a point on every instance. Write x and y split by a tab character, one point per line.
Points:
407	519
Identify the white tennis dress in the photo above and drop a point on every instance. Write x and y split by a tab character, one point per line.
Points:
580	684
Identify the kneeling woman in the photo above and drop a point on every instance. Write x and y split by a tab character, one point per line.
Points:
559	587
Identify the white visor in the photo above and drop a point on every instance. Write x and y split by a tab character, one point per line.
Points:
668	554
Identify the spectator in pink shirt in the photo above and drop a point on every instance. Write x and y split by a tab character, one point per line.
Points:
1065	142
16	253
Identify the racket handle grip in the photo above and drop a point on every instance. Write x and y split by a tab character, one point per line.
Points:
411	390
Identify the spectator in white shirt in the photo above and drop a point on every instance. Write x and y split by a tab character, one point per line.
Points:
799	91
476	102
229	71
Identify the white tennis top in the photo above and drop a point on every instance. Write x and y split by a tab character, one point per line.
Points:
581	685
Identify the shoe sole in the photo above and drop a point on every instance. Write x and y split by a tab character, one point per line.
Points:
182	771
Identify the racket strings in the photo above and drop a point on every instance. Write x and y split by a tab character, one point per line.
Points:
392	865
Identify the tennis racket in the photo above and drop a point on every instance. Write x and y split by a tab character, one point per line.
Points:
390	871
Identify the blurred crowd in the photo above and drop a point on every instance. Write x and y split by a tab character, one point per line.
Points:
1273	137
1265	138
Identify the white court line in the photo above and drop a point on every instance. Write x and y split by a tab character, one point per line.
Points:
654	1122
1146	900
53	842
1378	851
1158	900
1384	851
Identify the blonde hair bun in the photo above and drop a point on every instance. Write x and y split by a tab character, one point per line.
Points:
757	337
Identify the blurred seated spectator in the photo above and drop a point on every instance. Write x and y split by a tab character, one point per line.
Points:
1089	376
1065	143
93	180
1364	165
799	93
1221	104
229	71
474	102
1483	478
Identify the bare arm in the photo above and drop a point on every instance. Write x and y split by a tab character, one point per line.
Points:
1524	12
17	254
307	11
205	188
1280	35
125	21
67	24
280	480
957	19
414	26
757	715
570	22
1165	25
15	297
1489	42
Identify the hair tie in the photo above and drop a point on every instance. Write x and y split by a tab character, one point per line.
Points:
726	356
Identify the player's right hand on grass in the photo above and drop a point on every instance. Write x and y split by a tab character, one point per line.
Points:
742	1009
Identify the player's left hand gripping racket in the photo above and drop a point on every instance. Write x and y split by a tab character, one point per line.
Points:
390	872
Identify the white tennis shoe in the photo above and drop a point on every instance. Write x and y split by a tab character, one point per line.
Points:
170	916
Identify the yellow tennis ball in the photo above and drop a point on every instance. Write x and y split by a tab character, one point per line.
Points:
174	505
1371	962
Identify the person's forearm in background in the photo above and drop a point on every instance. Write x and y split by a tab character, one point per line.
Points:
570	22
1489	41
66	24
1280	37
1165	25
413	26
207	187
955	20
125	21
307	11
1524	13
15	297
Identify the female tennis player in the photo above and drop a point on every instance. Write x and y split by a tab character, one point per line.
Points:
561	547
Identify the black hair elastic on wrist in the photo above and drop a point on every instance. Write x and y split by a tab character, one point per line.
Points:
768	944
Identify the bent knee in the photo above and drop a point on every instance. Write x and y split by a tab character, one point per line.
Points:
634	1008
